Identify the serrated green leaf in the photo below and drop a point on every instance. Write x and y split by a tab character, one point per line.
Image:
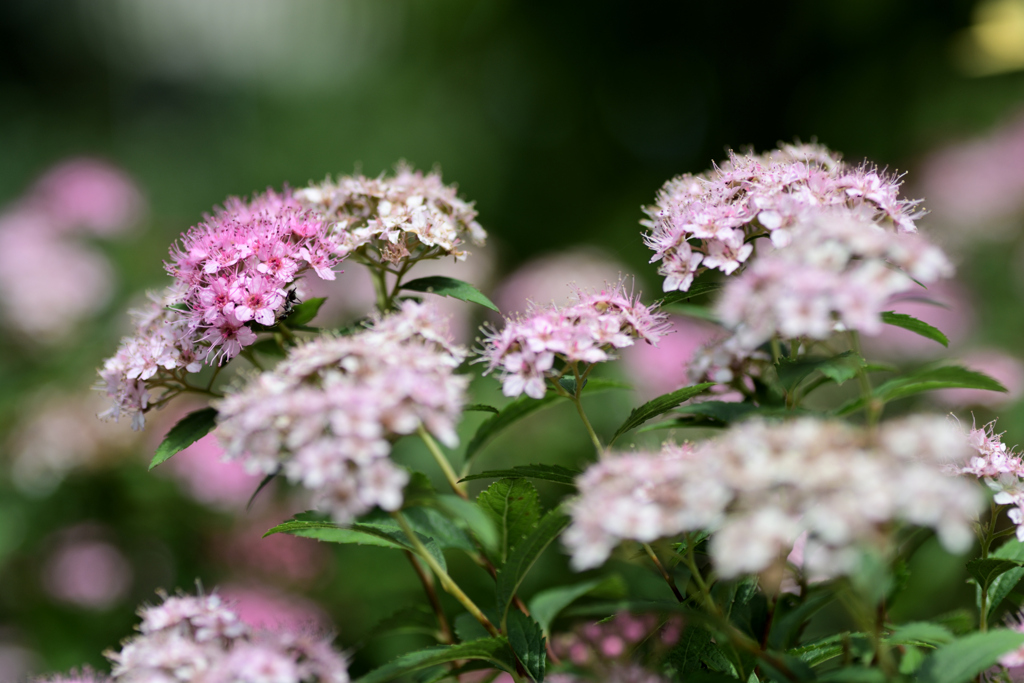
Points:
468	515
493	650
918	632
480	408
819	651
659	406
522	559
965	658
927	379
302	313
514	507
449	286
909	322
527	641
189	429
1006	582
687	657
555	473
987	570
547	604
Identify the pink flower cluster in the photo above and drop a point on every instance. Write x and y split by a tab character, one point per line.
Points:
328	412
1001	468
200	640
837	273
51	280
760	485
236	267
585	331
85	675
707	221
393	218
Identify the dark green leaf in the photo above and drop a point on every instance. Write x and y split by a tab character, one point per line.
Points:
966	657
415	619
916	326
527	641
268	347
514	507
659	406
853	674
467	628
790	619
480	408
985	571
1006	582
820	651
449	286
687	657
555	473
522	559
189	429
547	604
921	632
468	515
493	650
837	368
302	313
177	307
927	379
262	485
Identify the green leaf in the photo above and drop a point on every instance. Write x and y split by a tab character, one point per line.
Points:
514	507
966	657
523	406
268	347
555	473
547	604
916	326
415	619
522	559
820	651
659	406
449	286
926	379
262	485
480	408
468	515
467	628
853	674
1006	582
493	650
696	289
177	307
838	368
303	312
985	571
189	429
790	619
527	641
692	311
687	657
921	632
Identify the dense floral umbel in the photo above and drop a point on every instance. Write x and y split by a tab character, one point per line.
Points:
328	412
395	217
999	467
706	221
586	331
200	640
760	485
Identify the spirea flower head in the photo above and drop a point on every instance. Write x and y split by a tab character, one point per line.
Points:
391	218
839	272
1001	468
760	485
707	221
84	675
190	639
586	331
328	412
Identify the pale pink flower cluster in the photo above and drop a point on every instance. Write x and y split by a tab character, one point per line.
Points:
85	675
725	360
760	485
837	273
1014	659
200	640
236	267
50	279
586	331
391	218
328	412
707	221
156	357
1001	468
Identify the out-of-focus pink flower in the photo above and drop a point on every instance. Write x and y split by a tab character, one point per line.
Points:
280	555
995	363
210	479
266	608
88	194
16	662
657	370
543	280
953	317
85	570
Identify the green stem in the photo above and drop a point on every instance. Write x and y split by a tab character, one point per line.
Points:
435	604
664	572
575	398
447	583
873	405
442	461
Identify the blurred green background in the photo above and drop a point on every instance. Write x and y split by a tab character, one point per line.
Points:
559	119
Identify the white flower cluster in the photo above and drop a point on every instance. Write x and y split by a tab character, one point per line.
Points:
330	410
760	485
199	640
396	214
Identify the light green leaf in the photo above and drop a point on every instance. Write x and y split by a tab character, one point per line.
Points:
927	379
547	604
916	326
918	632
449	286
659	406
468	515
965	658
493	650
522	559
555	473
189	429
514	507
527	641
